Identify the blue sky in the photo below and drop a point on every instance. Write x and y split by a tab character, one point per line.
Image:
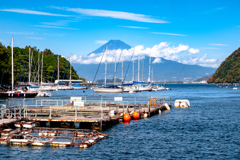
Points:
191	32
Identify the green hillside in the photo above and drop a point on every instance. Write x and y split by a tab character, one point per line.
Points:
21	62
229	70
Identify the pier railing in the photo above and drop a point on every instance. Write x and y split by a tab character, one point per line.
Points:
92	107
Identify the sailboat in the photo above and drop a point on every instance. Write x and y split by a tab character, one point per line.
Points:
105	88
17	92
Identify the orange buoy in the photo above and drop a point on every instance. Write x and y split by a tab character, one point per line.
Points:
126	117
135	115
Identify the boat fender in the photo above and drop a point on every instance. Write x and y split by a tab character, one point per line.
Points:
145	115
167	106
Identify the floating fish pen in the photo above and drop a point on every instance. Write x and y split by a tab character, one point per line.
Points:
49	137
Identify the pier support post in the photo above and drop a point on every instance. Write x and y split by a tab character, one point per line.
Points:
50	116
9	114
20	114
14	112
2	113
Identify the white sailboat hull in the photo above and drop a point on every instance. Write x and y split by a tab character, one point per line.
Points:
107	90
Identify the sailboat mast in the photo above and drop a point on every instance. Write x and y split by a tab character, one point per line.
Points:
115	70
138	68
42	69
58	69
122	68
70	69
106	68
152	74
142	68
38	67
12	66
29	66
149	78
133	65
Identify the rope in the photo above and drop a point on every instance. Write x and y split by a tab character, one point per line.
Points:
128	68
117	64
54	71
23	68
99	65
65	71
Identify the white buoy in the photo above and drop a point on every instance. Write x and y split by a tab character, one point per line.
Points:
183	103
159	111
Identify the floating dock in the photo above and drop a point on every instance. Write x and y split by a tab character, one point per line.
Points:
46	137
71	122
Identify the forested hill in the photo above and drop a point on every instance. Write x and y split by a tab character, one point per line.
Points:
229	70
21	63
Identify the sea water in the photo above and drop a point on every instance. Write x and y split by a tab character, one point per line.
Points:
209	129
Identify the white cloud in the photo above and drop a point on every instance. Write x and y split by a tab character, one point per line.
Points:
208	48
22	33
202	61
24	11
159	51
45	26
193	51
214	44
101	41
33	37
171	34
135	27
157	60
114	14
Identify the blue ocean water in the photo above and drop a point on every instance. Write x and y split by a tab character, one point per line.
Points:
209	129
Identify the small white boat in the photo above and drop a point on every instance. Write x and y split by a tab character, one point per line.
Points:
235	88
158	88
183	103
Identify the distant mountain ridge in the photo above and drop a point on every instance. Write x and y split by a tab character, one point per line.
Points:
166	70
228	71
112	44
